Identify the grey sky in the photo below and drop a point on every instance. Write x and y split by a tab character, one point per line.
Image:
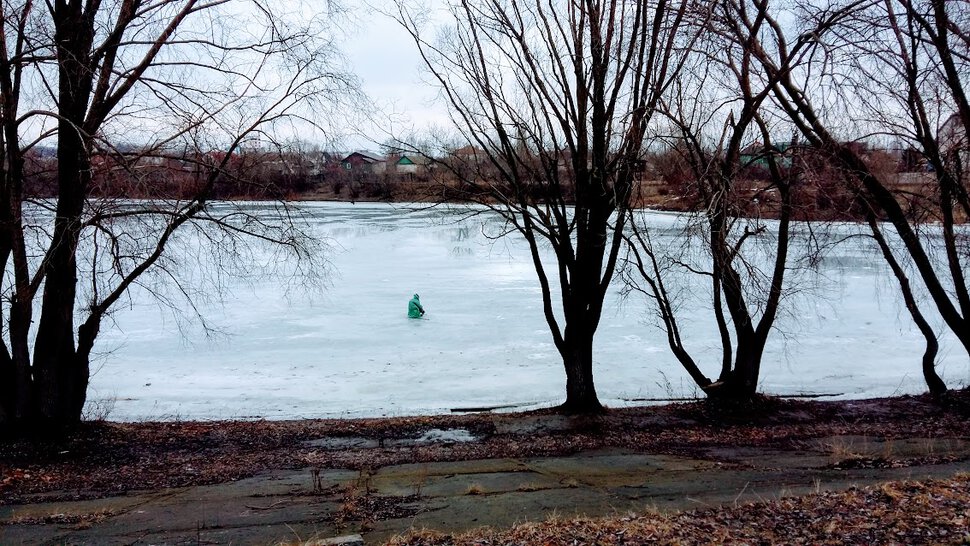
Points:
385	58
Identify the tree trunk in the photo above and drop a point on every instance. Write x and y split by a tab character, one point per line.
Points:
742	381
933	380
8	388
61	377
8	372
722	328
921	259
22	406
19	330
747	367
580	391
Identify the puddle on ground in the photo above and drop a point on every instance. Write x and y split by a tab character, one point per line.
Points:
432	436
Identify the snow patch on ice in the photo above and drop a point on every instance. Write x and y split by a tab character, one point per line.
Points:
453	435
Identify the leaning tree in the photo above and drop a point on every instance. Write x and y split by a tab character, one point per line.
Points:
552	100
115	87
896	68
739	195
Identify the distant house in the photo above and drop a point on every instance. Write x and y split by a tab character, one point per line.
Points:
411	164
954	141
756	154
911	160
470	154
952	134
565	160
364	161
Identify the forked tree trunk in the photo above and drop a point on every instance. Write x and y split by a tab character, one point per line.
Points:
742	381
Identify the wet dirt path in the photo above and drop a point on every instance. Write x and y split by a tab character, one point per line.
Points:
312	503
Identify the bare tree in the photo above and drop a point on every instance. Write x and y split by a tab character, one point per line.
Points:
191	82
553	100
716	110
896	68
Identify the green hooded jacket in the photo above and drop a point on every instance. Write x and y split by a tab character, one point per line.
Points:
414	307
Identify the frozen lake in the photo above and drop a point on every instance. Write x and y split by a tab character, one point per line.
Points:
350	350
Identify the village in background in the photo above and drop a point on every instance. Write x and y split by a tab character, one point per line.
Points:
665	179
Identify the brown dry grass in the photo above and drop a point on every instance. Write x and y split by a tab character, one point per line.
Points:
103	459
931	512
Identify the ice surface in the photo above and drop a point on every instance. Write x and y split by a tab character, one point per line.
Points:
351	350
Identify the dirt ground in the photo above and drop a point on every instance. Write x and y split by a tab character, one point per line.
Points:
454	473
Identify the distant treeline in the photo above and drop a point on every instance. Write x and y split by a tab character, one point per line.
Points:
666	180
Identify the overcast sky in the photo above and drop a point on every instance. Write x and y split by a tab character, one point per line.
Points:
385	58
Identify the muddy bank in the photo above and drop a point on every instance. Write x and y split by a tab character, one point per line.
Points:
259	482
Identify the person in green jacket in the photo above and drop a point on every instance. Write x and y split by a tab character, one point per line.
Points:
414	307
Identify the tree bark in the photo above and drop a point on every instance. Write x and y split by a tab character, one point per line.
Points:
8	388
580	390
62	378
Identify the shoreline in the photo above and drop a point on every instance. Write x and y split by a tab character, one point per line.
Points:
383	476
773	417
